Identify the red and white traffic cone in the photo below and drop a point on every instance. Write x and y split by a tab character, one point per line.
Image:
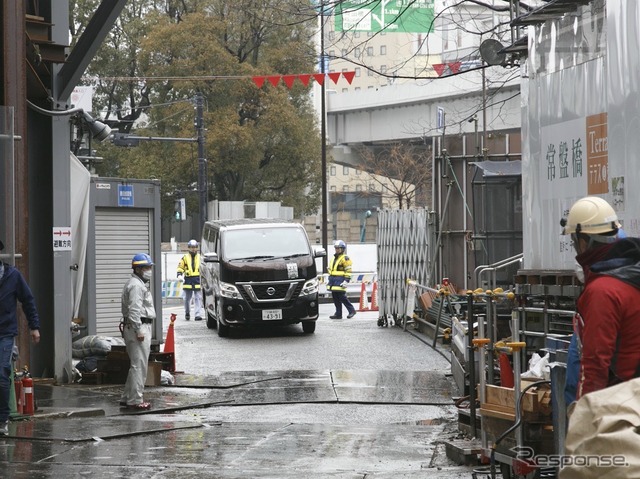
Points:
374	297
364	301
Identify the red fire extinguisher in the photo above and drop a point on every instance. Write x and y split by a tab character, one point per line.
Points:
17	381
27	388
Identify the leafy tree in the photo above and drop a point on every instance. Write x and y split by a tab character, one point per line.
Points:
262	144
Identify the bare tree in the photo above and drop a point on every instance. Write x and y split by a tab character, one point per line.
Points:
401	170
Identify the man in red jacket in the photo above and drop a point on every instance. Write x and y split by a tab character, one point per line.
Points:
609	306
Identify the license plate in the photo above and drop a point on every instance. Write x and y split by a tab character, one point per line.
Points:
271	314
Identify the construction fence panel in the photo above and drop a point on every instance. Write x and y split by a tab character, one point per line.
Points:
405	251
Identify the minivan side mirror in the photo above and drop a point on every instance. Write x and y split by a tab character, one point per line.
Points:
211	258
319	253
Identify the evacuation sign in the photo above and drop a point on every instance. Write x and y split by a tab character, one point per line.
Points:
61	238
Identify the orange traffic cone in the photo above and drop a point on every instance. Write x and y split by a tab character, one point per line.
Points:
169	343
364	301
374	297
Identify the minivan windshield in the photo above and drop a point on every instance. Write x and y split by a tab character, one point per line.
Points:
264	243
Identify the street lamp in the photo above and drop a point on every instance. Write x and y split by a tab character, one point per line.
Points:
363	230
99	131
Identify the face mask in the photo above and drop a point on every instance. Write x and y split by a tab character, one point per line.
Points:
579	272
146	275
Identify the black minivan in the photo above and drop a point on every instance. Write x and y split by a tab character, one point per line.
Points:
258	271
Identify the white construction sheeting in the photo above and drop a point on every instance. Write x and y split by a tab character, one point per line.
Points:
582	91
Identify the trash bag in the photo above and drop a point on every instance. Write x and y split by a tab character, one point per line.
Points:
602	437
88	364
166	379
94	346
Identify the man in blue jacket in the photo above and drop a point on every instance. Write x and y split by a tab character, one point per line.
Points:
13	288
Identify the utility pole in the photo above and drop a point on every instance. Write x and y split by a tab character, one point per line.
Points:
202	162
130	140
323	122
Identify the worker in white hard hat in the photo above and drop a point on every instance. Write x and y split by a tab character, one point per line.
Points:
608	310
189	267
339	276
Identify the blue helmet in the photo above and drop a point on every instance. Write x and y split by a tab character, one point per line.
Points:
339	244
141	259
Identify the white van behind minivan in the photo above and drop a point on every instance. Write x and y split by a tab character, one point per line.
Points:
257	272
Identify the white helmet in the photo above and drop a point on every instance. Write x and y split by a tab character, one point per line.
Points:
590	215
192	244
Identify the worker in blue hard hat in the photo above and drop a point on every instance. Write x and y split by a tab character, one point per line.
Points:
138	313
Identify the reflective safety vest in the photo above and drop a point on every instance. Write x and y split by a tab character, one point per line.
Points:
191	271
339	272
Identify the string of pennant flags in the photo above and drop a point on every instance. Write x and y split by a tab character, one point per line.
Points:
454	67
303	78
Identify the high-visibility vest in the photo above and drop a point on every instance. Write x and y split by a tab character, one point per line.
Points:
191	271
339	272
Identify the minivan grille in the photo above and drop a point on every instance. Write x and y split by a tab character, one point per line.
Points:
267	301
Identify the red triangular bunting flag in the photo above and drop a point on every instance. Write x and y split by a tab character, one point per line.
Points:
349	76
335	77
274	80
304	79
455	67
439	68
259	81
288	80
319	77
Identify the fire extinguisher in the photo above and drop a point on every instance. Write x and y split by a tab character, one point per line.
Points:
27	387
17	381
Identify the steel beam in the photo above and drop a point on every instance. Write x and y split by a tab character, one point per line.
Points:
97	30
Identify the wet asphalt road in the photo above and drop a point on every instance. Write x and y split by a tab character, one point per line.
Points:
352	400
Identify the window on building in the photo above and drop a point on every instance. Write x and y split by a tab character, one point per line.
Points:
357	52
345	188
356	34
357	70
383	49
358	187
345	90
332	53
369	73
332	35
358	172
372	187
332	171
383	68
333	188
370	51
370	87
344	52
345	170
357	88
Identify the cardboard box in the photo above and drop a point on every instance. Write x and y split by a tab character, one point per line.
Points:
154	373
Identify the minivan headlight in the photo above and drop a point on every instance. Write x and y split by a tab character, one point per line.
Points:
310	287
229	291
